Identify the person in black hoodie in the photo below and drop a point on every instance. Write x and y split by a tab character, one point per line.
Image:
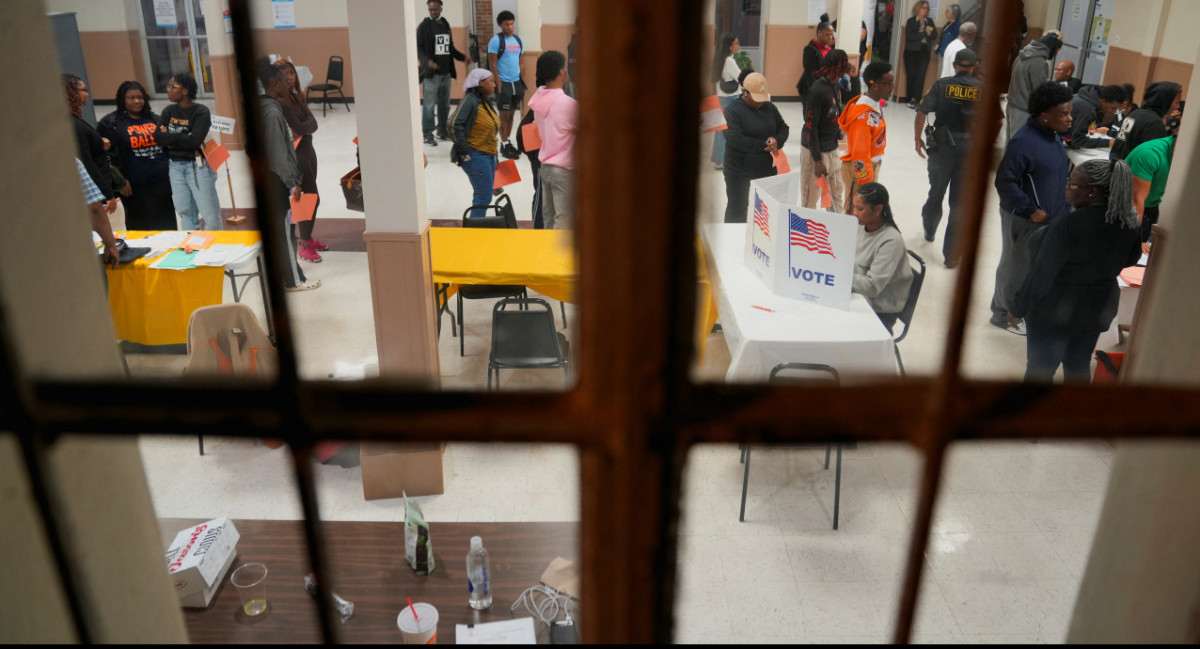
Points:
1088	109
820	135
1070	295
814	53
437	54
1146	123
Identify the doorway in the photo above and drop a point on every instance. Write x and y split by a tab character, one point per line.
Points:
744	19
174	39
1085	25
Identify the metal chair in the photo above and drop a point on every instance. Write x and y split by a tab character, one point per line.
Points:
910	305
525	338
484	291
333	73
827	374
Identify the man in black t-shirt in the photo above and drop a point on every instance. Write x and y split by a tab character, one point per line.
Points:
436	52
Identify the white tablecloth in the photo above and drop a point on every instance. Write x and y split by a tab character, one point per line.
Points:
1079	156
853	341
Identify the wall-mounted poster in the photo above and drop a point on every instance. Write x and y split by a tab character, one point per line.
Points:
164	13
284	12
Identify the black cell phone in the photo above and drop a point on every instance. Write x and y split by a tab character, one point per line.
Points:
563	632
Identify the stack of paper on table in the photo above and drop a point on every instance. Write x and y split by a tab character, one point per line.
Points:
518	631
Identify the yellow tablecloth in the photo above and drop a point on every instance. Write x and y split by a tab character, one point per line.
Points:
543	260
151	306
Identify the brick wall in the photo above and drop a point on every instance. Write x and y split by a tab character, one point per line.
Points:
485	27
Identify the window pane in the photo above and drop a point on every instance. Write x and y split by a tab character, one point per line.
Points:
783	575
168	21
523	500
1012	532
169	56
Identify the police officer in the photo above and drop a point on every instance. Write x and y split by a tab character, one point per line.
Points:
953	99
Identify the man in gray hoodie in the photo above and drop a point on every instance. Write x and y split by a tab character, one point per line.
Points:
1030	70
281	161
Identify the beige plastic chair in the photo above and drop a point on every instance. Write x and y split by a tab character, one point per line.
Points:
226	340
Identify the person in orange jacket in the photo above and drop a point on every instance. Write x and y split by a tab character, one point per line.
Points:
866	132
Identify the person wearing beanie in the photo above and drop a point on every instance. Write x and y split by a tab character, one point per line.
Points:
475	126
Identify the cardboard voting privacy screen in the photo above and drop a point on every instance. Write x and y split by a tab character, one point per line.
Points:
797	252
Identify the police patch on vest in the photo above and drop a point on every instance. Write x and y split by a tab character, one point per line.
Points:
966	93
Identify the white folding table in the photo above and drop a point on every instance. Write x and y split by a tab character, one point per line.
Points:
853	340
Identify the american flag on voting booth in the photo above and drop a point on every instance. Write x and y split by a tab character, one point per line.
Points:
811	256
762	217
809	234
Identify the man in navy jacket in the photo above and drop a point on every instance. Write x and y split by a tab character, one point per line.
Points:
1031	182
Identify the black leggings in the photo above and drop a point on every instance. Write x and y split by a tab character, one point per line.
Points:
915	64
304	228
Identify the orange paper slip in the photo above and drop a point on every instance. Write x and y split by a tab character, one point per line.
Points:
712	118
781	162
296	144
197	241
531	137
215	154
305	209
826	198
506	174
1134	275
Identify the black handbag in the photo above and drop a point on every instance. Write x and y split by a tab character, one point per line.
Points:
728	87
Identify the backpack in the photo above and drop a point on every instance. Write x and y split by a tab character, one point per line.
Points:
501	51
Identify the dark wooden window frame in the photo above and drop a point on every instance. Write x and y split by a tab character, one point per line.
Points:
634	413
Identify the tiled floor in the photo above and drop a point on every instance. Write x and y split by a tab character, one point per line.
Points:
1010	539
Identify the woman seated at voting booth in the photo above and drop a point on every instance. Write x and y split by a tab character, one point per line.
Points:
881	270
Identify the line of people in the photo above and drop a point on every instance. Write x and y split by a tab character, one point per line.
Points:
480	128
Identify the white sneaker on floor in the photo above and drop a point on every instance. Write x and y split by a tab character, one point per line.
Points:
306	286
719	166
1018	328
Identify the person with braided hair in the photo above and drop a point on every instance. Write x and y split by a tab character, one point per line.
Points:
881	270
819	138
1070	294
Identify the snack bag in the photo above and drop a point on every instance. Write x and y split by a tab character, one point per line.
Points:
418	547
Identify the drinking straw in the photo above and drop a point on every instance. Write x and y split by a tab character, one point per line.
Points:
413	609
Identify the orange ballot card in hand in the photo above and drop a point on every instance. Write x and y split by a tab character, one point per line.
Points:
531	137
781	162
826	198
712	118
305	209
215	154
506	174
296	144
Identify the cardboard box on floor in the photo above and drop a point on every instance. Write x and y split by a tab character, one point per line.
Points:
388	470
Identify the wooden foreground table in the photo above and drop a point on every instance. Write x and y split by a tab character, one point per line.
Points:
368	568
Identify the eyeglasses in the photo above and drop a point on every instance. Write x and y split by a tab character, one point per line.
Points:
1073	186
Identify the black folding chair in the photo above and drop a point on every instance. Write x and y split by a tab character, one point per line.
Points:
910	305
825	374
525	338
333	73
484	291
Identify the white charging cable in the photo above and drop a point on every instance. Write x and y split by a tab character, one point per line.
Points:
546	603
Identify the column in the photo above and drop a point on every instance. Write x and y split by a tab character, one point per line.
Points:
387	109
224	71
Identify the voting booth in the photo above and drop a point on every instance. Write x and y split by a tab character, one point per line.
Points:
800	253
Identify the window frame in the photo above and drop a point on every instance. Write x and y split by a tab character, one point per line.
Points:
634	412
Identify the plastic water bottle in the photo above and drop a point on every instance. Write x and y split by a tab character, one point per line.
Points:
479	584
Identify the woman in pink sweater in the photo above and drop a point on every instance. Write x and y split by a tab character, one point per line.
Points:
556	116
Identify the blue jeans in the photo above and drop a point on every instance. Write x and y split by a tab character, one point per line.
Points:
436	89
194	192
481	170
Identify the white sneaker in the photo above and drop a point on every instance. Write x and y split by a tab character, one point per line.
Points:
308	286
718	166
1018	328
